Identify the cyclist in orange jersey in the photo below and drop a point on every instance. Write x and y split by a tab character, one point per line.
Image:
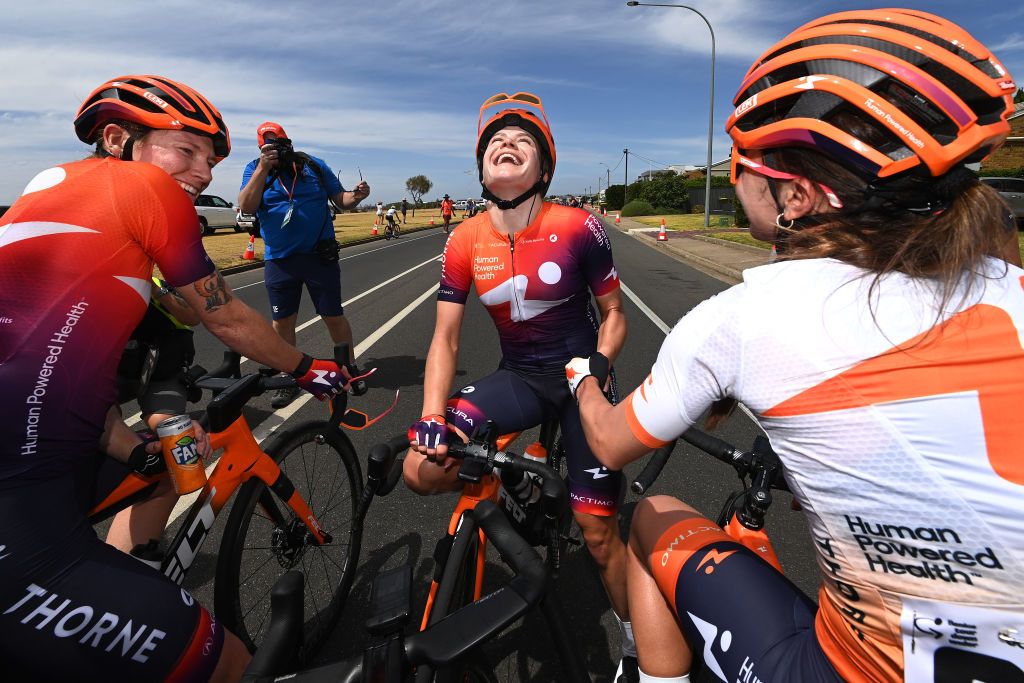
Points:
536	267
77	252
882	355
447	209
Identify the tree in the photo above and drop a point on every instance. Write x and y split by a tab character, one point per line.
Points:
418	186
1019	97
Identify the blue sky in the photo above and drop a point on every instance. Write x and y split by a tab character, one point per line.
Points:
393	87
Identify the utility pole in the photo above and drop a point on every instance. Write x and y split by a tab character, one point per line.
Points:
608	171
625	175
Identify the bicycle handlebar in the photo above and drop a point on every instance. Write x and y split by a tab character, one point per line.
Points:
653	469
441	643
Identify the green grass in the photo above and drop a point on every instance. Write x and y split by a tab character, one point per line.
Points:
741	238
685	221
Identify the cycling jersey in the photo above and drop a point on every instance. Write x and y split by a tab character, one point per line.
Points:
76	256
536	284
901	438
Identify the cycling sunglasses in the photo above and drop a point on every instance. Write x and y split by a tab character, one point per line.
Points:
519	98
741	162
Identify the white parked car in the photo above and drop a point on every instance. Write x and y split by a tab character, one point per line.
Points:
214	212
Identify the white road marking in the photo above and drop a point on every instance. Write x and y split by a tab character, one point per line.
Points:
133	420
645	308
279	417
393	244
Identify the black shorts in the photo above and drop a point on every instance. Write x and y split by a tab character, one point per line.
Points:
284	278
743	618
519	401
73	608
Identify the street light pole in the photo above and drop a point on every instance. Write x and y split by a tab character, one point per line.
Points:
711	104
625	175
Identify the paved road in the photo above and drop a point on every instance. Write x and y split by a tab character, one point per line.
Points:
389	288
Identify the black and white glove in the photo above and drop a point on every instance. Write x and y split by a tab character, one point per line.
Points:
579	369
142	461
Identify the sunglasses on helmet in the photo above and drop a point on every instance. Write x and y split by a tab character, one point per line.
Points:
742	162
503	98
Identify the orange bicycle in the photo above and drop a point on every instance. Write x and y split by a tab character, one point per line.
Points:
296	504
461	554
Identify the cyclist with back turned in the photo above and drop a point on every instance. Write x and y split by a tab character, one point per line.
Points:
882	355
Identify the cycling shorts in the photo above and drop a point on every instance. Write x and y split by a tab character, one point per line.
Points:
519	401
744	619
73	608
285	277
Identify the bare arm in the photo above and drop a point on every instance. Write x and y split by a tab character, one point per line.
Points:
175	304
237	325
252	194
612	334
348	200
606	428
442	359
117	440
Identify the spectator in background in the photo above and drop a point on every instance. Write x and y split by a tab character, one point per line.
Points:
447	208
405	207
379	218
288	191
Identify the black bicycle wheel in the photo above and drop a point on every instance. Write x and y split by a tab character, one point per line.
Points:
264	539
455	590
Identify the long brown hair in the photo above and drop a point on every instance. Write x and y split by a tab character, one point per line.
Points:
883	228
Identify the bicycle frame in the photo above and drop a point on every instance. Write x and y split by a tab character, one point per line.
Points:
242	460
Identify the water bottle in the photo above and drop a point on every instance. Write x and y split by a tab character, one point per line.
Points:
523	485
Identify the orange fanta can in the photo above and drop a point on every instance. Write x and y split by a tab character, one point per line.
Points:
181	453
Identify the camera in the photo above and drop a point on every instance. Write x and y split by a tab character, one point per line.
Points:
285	151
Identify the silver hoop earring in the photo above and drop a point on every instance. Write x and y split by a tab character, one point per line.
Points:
778	222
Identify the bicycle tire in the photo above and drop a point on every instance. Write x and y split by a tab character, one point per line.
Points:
246	566
455	590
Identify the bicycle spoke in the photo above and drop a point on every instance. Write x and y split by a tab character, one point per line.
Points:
244	581
327	505
333	561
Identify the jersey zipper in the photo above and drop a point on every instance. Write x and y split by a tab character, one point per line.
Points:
512	260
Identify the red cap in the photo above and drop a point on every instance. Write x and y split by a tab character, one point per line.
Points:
269	127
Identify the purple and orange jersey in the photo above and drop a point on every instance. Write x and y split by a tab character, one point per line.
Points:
536	284
76	256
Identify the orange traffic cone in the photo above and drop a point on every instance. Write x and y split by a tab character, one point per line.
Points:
618	217
250	249
431	221
662	235
374	233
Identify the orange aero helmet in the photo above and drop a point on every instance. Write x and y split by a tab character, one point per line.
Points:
935	95
535	125
153	102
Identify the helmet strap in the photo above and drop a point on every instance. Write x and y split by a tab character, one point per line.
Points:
506	204
126	149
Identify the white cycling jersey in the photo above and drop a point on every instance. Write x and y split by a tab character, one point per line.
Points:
908	463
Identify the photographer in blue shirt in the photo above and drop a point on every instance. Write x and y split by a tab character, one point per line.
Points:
289	192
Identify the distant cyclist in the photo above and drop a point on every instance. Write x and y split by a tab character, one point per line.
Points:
882	355
537	283
76	258
447	209
391	215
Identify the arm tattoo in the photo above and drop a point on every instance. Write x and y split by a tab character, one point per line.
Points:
213	290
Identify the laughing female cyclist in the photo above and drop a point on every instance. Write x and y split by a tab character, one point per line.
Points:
534	265
882	355
77	251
